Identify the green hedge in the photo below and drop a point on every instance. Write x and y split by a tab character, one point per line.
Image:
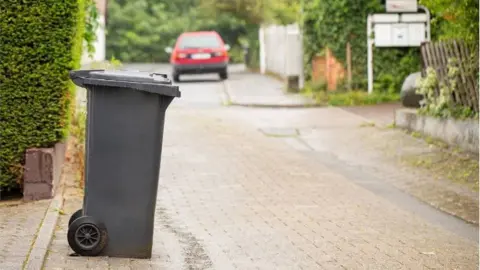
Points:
41	41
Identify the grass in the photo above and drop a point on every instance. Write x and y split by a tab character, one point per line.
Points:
458	168
354	98
430	140
318	91
446	162
227	103
391	125
77	133
367	124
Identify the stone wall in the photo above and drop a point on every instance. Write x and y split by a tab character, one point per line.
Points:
460	133
43	169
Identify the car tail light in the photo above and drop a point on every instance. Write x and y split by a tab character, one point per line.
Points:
181	56
218	54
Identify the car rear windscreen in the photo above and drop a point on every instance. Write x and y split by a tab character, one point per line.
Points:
199	41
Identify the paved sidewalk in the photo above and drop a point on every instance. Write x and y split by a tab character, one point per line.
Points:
381	114
440	177
232	198
19	223
252	89
397	159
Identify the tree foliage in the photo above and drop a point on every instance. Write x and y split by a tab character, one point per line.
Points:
256	11
454	19
139	30
91	25
253	13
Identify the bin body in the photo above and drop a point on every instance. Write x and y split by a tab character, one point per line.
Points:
123	152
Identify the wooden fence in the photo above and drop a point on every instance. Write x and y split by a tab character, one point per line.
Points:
437	55
328	69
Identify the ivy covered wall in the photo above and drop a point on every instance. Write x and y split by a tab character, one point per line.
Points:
333	23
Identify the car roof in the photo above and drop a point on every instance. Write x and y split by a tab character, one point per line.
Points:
199	33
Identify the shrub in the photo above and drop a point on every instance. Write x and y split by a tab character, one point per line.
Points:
357	98
236	55
442	104
253	60
350	98
40	42
334	23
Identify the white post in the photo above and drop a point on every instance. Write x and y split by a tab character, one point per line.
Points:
261	40
302	75
427	28
100	42
286	69
370	54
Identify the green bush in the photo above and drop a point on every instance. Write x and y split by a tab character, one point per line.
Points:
334	23
253	57
453	19
355	98
236	55
318	91
41	42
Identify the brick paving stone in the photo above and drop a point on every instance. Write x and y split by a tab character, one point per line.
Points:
231	198
336	138
256	89
19	223
380	114
384	223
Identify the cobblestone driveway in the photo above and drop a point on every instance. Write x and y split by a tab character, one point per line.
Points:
19	223
232	198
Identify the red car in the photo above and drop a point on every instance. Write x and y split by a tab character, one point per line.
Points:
199	53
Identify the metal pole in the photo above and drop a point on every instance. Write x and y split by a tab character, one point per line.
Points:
301	30
261	34
427	28
349	66
369	54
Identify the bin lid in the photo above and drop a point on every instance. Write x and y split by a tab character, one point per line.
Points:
141	80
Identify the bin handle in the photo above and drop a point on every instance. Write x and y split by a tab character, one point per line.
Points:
78	76
159	74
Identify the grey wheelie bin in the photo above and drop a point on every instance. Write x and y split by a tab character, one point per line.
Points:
125	120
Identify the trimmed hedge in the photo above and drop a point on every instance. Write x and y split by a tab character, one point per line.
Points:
41	41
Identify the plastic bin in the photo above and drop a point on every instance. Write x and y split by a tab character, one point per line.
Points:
124	131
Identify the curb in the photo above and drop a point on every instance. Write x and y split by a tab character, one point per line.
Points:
275	106
355	115
227	101
224	95
364	119
41	243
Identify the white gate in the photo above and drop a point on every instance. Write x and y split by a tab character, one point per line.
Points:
281	51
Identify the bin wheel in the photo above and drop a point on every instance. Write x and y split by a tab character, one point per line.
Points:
176	77
87	236
74	216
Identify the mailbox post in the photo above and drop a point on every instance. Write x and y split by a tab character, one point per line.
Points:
401	26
